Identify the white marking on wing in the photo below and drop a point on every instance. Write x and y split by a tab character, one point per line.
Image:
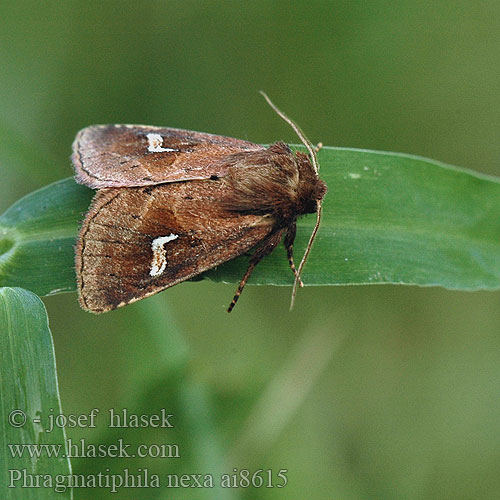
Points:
159	262
156	144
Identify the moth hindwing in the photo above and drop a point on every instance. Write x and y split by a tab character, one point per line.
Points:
173	203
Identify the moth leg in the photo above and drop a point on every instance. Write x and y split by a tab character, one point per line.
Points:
289	239
267	246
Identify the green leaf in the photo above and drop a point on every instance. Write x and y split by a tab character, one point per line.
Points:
28	389
388	218
394	218
37	235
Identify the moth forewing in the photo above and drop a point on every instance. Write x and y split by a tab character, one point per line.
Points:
136	242
139	155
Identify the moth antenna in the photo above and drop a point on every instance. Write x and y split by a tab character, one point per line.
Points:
306	253
312	152
307	143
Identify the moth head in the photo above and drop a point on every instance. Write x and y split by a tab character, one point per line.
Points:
318	193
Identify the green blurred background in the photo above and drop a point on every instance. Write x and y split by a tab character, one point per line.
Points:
362	392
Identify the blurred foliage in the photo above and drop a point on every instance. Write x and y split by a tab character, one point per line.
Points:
361	392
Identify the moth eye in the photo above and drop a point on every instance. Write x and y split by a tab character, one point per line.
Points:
214	178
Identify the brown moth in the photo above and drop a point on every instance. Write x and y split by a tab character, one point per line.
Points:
173	203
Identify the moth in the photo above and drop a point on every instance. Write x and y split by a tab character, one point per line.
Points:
174	203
